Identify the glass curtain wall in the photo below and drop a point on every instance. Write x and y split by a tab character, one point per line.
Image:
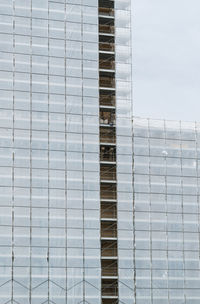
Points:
166	185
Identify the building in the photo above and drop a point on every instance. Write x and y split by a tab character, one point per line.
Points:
66	191
94	209
166	200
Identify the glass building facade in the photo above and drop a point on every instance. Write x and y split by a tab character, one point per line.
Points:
167	208
57	61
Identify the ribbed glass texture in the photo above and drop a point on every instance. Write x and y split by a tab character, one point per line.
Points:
166	186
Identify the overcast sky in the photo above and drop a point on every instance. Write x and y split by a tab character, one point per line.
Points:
166	59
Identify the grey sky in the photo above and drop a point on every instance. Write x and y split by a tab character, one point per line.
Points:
166	59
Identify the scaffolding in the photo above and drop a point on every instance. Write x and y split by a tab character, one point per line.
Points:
108	170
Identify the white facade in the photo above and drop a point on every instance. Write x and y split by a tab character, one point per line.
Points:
166	200
49	152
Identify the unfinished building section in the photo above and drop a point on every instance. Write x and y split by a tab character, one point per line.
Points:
108	176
